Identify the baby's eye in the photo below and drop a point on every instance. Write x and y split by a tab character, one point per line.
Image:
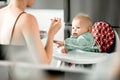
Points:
78	27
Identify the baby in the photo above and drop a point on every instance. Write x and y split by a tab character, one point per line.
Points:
81	37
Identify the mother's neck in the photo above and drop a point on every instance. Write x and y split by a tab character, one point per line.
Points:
18	4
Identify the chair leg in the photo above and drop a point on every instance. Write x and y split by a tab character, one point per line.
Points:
59	63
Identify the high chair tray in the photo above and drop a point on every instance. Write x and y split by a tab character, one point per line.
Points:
80	57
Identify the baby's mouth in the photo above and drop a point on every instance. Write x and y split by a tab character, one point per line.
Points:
75	34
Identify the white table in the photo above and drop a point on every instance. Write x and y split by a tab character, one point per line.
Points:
36	71
80	57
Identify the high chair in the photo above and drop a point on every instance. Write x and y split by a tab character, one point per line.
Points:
83	57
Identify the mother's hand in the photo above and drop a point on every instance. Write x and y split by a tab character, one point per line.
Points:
55	26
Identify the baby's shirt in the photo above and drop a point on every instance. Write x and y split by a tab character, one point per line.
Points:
84	42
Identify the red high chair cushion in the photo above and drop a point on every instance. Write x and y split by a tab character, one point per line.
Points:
103	35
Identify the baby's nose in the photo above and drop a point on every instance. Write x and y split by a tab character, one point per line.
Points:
75	29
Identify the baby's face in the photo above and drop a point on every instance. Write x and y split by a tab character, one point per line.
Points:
78	28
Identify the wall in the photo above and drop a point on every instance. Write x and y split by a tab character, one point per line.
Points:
48	4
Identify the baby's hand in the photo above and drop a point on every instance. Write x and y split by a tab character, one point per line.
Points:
64	50
60	43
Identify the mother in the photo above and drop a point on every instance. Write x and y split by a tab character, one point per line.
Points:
20	37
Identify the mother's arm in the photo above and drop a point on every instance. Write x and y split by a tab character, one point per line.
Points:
31	34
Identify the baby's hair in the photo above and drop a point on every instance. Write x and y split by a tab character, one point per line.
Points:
85	16
81	14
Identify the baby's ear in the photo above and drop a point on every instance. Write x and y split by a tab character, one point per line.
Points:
90	29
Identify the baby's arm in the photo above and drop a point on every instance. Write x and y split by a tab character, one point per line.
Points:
64	50
60	43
